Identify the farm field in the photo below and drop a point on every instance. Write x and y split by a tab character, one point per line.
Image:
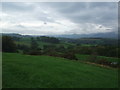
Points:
25	71
86	57
27	41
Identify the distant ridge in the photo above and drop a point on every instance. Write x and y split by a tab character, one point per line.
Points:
74	36
98	35
14	35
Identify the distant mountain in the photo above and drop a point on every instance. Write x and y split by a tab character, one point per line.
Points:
74	36
98	35
14	35
11	34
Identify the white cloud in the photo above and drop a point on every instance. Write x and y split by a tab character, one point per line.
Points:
58	18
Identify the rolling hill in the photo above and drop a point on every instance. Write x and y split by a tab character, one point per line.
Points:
112	35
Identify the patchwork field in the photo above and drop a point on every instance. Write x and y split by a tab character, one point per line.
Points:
86	57
25	71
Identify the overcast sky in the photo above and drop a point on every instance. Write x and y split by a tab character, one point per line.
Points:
59	18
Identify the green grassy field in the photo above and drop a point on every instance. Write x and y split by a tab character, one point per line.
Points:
24	71
26	41
86	57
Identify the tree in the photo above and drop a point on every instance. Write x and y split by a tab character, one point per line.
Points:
35	50
8	44
50	39
38	38
34	44
93	57
23	47
60	48
70	55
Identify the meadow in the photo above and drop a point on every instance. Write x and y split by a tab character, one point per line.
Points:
26	71
86	57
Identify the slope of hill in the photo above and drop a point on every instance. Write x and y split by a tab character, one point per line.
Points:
73	39
24	71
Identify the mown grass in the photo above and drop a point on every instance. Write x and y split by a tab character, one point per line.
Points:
24	71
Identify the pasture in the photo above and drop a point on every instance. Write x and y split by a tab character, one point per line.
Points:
25	71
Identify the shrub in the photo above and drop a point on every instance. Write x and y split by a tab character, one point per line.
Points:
115	64
93	57
70	56
104	62
34	52
8	44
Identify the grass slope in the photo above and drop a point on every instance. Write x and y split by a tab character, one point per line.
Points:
24	71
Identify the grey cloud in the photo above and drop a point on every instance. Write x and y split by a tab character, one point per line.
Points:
20	26
90	12
16	7
103	5
44	17
101	13
67	7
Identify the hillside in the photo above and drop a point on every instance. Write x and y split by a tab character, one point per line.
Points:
25	71
74	39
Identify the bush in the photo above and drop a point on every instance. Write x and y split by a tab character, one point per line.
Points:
93	57
49	39
104	62
70	56
34	53
115	64
8	44
24	48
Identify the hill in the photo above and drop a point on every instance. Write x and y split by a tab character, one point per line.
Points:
109	35
73	39
95	35
25	71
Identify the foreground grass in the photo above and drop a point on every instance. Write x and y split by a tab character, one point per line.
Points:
24	71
